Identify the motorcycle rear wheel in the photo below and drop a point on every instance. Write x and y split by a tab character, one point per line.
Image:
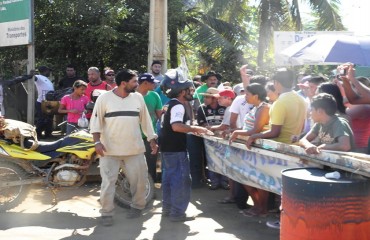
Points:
10	197
123	196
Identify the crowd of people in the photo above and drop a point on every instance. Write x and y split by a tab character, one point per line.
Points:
157	111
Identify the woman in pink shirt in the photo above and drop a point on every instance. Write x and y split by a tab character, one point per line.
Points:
74	104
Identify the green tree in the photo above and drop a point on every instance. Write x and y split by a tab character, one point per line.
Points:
81	32
212	30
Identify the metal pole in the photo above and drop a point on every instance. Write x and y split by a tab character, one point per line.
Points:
31	66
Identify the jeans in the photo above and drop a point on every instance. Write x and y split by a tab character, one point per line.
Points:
176	182
217	179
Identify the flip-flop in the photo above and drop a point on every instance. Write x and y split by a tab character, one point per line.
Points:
226	201
253	213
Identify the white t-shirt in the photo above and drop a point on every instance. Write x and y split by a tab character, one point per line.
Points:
240	107
226	119
177	114
43	85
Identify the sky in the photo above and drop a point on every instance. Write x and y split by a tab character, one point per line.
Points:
355	15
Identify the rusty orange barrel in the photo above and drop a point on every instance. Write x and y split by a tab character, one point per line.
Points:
317	208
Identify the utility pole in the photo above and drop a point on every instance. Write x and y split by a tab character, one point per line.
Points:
157	49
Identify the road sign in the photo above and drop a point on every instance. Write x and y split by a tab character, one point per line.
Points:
15	22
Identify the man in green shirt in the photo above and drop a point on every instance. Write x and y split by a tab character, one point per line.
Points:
154	105
211	80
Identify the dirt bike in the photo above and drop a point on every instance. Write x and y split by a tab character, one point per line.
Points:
63	163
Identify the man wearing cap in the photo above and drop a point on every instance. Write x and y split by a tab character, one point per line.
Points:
109	77
225	99
44	122
153	103
115	125
210	113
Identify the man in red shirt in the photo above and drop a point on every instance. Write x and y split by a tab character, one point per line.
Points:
95	82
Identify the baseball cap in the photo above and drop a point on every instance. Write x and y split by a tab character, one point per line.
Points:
304	81
44	68
147	77
249	72
227	93
211	92
108	71
238	88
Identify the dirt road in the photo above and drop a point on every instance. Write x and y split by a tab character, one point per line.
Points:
76	214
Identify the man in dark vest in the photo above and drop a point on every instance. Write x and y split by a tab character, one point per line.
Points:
176	180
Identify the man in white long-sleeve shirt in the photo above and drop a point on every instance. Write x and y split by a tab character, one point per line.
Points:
44	122
115	124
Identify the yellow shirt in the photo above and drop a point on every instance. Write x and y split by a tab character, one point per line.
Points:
288	111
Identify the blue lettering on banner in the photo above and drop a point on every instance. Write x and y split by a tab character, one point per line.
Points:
247	167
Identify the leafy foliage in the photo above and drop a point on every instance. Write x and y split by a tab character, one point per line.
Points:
213	34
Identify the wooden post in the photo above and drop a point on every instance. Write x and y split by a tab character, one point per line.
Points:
157	49
31	66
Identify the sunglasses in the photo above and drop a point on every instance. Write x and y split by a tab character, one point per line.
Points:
110	75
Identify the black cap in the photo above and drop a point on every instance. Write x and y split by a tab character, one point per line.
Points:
147	77
44	68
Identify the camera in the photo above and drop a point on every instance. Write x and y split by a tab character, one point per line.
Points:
343	72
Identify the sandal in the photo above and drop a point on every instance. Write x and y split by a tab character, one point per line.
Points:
226	200
253	213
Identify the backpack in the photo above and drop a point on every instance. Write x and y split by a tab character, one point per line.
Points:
18	132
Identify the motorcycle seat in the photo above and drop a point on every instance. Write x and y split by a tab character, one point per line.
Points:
49	146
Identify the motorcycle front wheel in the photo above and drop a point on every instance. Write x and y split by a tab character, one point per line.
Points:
11	197
123	195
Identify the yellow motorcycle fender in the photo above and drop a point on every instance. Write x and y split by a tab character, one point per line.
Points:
16	151
83	150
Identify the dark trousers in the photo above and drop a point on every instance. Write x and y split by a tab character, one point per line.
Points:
44	122
151	160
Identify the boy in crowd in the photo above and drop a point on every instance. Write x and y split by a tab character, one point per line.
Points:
330	132
225	99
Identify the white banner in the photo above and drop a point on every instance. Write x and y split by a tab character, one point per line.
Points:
260	169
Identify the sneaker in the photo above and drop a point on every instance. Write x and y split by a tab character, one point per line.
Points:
107	221
214	186
273	224
165	213
133	213
225	186
183	218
